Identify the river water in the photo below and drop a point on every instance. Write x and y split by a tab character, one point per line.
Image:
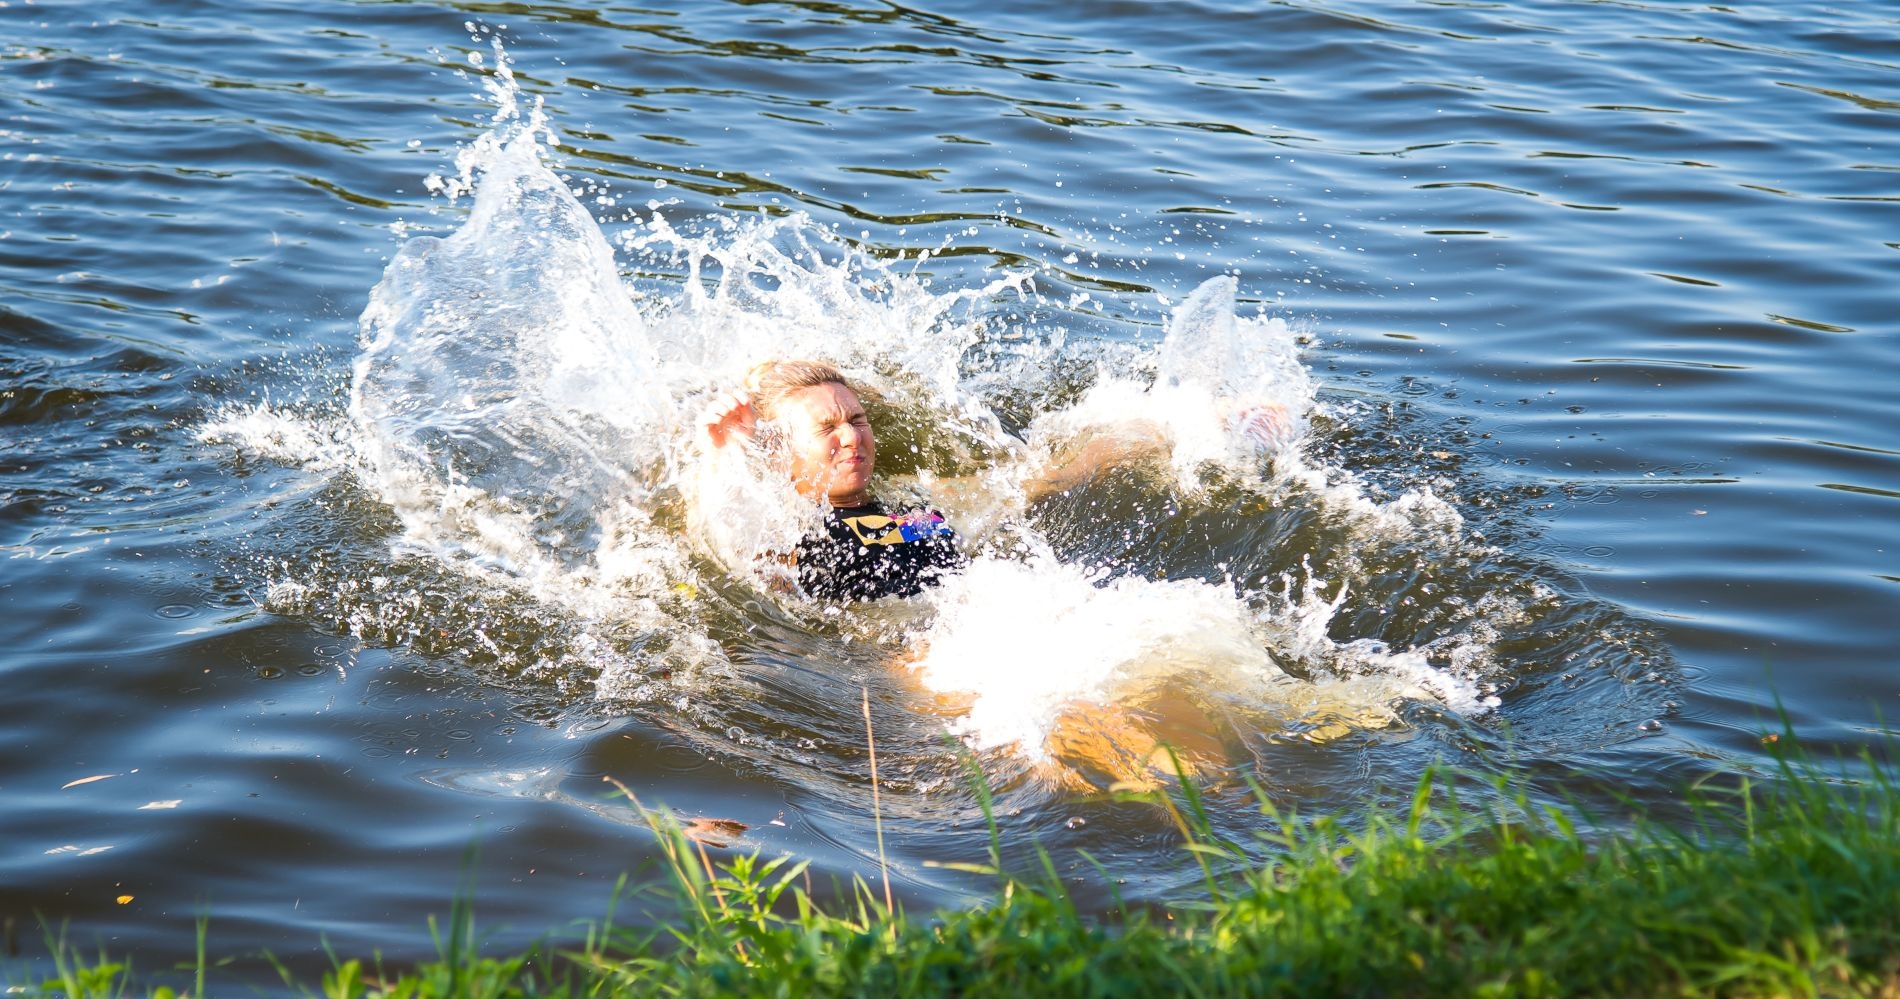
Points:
350	534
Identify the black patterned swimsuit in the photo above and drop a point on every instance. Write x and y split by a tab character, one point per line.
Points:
864	553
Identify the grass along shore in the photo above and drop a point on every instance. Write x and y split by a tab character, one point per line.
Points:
1783	886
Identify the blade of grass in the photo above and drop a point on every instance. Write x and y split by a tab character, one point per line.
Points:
877	810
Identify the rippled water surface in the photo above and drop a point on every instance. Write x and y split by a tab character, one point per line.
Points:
348	351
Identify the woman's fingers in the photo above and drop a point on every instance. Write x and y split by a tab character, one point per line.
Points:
727	415
1267	423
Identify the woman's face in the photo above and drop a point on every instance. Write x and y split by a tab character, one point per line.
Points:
829	438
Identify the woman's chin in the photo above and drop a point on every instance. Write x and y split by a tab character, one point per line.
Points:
850	497
857	479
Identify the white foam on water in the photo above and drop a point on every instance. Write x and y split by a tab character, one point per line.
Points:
1300	625
509	403
287	436
1223	390
1029	639
527	414
1024	641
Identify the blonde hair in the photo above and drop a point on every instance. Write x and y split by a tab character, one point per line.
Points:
769	384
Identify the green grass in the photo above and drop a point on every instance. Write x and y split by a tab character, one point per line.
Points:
1785	886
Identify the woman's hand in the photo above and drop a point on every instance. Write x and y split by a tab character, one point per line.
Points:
1265	423
729	415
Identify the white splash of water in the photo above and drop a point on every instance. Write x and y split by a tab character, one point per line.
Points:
510	405
527	414
1024	642
1301	626
287	436
1028	640
1224	390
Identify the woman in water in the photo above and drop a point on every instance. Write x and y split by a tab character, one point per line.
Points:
814	418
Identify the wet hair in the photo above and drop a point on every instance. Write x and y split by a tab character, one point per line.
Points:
770	383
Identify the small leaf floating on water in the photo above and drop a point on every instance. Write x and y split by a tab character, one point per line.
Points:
713	832
125	900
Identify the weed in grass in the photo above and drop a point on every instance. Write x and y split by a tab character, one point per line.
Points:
76	976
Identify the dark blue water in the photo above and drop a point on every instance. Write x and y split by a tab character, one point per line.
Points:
1596	300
